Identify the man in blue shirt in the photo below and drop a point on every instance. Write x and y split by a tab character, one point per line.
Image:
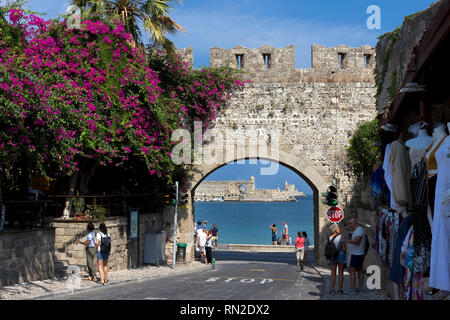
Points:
90	252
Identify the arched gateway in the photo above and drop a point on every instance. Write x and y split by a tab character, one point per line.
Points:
300	118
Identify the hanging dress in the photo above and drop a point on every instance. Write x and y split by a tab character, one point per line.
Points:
440	254
396	273
422	229
388	174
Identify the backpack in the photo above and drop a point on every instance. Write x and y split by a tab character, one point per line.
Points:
105	245
331	251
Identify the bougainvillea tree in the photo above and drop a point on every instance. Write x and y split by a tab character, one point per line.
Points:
68	95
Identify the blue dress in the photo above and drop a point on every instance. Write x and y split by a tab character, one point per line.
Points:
397	271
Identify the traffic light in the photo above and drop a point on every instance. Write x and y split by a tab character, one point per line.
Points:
331	196
166	198
173	195
183	199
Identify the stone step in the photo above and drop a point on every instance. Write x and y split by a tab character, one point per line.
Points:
62	263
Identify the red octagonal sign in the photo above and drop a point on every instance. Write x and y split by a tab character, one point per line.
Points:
335	214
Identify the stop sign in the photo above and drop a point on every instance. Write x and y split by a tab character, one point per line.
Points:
335	214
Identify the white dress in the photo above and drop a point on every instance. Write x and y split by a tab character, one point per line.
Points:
440	248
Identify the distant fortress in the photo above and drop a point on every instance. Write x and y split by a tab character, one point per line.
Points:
243	190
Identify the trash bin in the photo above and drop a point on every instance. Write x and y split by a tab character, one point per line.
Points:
181	252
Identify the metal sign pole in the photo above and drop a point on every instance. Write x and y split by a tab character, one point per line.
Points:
175	228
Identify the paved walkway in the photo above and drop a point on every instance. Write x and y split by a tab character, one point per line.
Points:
53	287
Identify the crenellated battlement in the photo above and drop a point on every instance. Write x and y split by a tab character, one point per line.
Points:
269	64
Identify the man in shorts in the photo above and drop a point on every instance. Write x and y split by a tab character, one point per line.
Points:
201	242
285	233
357	250
215	234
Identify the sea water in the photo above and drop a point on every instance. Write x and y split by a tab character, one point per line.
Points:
248	222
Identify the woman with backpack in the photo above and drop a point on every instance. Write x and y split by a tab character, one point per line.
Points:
335	252
103	246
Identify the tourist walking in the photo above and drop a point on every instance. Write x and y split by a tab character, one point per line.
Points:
337	263
357	246
199	227
201	242
103	246
208	246
274	234
215	234
300	249
307	244
284	233
90	252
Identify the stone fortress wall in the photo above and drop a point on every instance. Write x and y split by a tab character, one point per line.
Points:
229	191
219	188
315	111
307	116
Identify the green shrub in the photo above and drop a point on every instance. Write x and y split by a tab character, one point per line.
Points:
97	212
361	151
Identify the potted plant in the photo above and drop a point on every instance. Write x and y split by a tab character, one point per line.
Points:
77	204
97	212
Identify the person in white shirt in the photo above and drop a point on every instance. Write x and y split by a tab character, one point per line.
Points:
201	242
90	252
357	250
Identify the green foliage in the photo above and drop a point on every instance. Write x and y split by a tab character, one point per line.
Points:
97	212
77	204
394	86
361	151
380	76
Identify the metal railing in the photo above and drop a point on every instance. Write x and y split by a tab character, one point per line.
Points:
21	215
30	214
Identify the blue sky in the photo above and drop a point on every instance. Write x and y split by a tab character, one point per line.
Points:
254	23
279	23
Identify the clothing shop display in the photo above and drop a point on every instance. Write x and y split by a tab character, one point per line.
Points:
417	290
412	231
397	271
388	174
418	187
393	235
407	254
400	165
440	255
376	185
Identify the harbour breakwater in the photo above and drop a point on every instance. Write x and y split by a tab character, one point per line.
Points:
244	190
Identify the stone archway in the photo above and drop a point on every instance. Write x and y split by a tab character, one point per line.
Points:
298	165
308	114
